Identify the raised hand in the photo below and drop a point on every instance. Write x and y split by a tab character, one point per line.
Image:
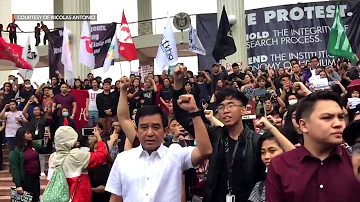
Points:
264	124
125	83
187	103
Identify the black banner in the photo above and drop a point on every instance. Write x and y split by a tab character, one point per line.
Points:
101	35
278	34
206	27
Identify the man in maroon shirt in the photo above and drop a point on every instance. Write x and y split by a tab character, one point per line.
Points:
46	31
37	34
320	170
66	100
12	32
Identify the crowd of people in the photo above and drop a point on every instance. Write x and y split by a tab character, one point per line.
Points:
182	137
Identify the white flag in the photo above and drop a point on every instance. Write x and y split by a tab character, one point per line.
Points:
167	52
195	44
66	56
30	55
86	52
112	53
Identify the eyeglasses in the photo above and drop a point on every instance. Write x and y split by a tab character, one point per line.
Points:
229	106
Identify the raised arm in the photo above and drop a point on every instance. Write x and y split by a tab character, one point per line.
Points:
2	114
204	148
123	111
181	115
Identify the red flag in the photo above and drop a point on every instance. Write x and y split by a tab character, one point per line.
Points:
126	45
13	52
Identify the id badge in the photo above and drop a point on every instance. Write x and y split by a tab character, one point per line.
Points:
36	132
230	198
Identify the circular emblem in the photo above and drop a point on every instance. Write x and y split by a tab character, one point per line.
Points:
182	21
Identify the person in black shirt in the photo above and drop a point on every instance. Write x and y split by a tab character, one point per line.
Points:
106	105
8	95
166	94
27	91
149	92
98	177
219	73
204	84
134	96
237	75
247	167
12	32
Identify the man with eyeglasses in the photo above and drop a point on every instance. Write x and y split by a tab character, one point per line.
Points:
235	165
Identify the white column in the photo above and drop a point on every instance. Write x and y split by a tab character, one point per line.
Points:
236	8
5	19
144	13
74	7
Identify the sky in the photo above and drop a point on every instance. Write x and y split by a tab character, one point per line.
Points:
110	10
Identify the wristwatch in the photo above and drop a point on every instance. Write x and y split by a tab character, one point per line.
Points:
195	114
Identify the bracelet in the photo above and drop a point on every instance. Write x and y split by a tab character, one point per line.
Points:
195	114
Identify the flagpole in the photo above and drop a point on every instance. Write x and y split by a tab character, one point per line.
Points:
120	70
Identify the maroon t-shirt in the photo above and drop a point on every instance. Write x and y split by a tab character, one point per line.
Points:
65	101
12	27
37	30
31	161
44	28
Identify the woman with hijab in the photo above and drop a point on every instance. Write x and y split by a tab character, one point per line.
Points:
74	161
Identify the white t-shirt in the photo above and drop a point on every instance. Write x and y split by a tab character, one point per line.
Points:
92	99
11	124
136	176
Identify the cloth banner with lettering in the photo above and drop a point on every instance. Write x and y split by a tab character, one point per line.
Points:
275	35
144	71
101	36
80	118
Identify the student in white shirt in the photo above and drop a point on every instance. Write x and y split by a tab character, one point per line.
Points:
92	112
152	172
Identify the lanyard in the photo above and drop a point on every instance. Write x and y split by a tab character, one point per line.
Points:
230	161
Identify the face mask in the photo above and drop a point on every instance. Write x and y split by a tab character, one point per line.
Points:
27	85
65	114
11	81
292	102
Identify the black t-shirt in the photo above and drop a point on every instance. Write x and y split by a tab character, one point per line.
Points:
232	76
26	94
135	103
167	93
98	176
149	97
241	188
204	91
39	125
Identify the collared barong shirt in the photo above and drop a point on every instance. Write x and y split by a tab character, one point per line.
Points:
297	176
138	176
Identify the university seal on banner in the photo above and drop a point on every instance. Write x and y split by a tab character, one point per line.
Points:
181	21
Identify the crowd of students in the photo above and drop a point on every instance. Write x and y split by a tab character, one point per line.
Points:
182	137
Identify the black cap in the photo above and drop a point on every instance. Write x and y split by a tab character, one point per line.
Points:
352	132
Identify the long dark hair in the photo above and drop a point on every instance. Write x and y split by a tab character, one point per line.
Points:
288	128
20	136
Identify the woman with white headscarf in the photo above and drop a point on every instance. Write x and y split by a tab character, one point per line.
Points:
76	161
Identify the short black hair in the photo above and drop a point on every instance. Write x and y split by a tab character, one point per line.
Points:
231	93
94	80
235	65
266	136
307	104
107	81
314	57
151	110
294	60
